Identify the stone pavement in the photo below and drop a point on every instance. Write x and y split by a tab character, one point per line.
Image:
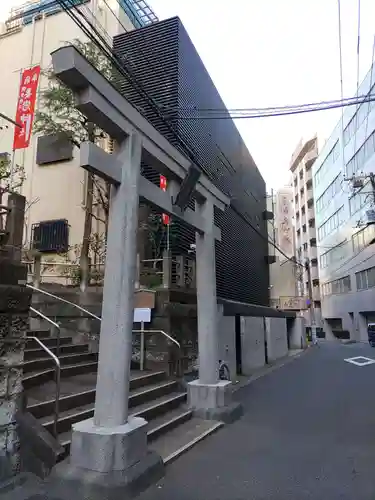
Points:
307	434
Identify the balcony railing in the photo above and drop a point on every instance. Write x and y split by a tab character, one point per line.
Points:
310	157
314	273
316	293
165	272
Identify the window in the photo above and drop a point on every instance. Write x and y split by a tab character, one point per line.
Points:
331	224
327	163
333	255
364	109
331	191
51	236
363	238
341	285
360	200
361	156
365	279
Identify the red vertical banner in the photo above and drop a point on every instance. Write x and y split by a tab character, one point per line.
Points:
26	107
163	187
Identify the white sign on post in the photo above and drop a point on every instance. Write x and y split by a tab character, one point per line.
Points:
142	315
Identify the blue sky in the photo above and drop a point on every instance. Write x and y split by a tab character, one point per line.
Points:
274	52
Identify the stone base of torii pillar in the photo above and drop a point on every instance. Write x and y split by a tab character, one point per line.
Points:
107	463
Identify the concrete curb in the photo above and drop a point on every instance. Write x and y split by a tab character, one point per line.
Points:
269	369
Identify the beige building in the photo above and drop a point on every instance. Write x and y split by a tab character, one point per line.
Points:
55	191
301	163
283	281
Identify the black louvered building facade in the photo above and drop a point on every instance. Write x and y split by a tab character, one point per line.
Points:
164	60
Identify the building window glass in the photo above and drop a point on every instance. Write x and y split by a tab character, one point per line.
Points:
341	285
364	109
365	279
331	191
361	156
363	238
327	163
331	224
333	255
360	200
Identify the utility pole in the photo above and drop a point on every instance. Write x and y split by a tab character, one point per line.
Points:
311	299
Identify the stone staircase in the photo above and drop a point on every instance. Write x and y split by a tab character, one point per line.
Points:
172	427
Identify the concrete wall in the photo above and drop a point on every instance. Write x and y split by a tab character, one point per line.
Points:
276	335
252	344
297	333
361	303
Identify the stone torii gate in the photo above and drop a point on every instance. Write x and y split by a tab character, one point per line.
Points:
109	452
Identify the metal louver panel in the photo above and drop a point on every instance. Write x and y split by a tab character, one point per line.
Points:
163	59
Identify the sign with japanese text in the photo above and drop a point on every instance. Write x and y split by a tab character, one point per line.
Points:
163	187
293	303
284	222
26	107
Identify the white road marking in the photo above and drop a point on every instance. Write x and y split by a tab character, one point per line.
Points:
360	361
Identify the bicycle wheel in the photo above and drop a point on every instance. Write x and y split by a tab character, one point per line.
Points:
224	373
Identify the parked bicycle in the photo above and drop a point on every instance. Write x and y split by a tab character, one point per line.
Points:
224	372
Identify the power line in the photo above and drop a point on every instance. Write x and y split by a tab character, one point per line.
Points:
285	112
341	87
371	80
269	108
127	73
358	47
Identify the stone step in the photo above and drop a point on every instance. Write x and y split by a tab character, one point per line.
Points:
67	359
39	333
48	341
148	411
38	378
138	395
156	427
178	441
38	353
165	423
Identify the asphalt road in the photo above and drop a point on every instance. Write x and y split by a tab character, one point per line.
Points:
308	433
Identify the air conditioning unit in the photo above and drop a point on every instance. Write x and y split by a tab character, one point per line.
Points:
369	216
357	183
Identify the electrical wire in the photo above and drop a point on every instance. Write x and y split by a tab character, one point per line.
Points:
342	89
371	80
358	48
103	46
286	112
269	108
351	258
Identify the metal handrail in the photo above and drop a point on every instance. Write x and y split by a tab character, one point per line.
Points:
58	380
97	317
94	315
159	331
43	292
53	323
